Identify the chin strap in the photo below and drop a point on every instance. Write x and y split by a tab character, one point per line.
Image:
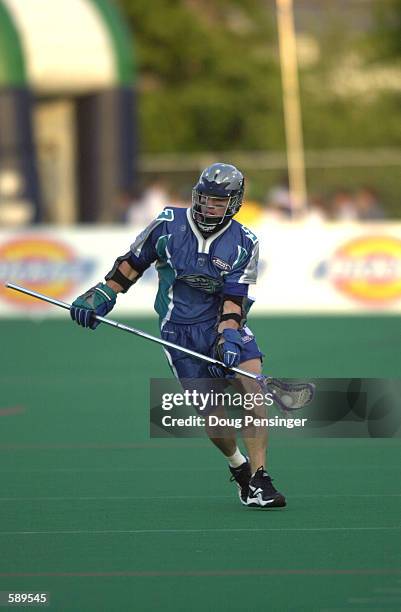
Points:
214	229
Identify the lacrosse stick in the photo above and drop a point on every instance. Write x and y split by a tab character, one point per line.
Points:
289	396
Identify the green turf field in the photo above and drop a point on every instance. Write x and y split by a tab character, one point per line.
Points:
104	518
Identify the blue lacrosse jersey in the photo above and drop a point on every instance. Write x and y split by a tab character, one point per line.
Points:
195	272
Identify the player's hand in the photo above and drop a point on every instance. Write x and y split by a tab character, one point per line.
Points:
228	350
98	300
217	371
228	347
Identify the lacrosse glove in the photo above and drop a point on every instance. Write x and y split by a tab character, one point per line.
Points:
228	350
98	300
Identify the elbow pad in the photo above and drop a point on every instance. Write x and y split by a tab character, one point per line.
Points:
118	277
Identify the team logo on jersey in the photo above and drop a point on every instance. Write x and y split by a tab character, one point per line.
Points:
246	339
42	264
367	269
219	263
208	284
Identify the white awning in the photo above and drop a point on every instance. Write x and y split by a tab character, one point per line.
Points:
67	45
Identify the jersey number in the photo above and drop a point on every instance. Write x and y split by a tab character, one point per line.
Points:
250	235
166	215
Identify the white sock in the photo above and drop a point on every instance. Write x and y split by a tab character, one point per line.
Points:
236	459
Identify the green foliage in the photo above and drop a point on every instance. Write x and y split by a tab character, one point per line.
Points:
209	79
386	36
343	103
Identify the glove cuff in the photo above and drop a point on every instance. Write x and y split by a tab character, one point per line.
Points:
105	289
232	335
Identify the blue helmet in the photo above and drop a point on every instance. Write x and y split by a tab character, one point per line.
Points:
217	197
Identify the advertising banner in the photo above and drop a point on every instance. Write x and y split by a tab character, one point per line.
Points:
332	268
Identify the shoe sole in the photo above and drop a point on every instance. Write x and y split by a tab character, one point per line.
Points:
277	502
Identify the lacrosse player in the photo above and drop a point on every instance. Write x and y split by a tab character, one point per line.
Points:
205	262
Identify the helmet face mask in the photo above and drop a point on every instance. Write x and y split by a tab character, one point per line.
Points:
210	212
217	197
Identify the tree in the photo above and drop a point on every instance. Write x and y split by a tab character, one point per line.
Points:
208	75
386	36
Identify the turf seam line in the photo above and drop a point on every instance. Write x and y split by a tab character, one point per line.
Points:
146	497
183	469
178	531
232	572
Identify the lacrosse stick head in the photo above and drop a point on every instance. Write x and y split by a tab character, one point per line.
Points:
288	396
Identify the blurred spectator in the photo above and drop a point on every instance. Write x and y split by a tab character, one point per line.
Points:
143	209
279	200
368	205
180	198
343	206
126	200
139	208
277	212
317	210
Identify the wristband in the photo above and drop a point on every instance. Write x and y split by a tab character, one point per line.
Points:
234	316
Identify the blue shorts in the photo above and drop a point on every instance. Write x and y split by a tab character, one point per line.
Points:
193	373
201	338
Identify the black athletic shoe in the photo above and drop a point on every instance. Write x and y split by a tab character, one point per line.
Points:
242	476
262	493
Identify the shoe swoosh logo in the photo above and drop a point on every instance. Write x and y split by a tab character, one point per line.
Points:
264	502
255	491
258	493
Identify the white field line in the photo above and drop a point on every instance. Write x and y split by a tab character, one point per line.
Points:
184	469
187	531
146	497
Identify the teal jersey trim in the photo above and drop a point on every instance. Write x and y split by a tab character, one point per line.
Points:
164	298
164	302
161	247
241	257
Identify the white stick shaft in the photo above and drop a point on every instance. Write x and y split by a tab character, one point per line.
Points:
131	330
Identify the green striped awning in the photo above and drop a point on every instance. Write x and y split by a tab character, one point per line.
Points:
64	45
